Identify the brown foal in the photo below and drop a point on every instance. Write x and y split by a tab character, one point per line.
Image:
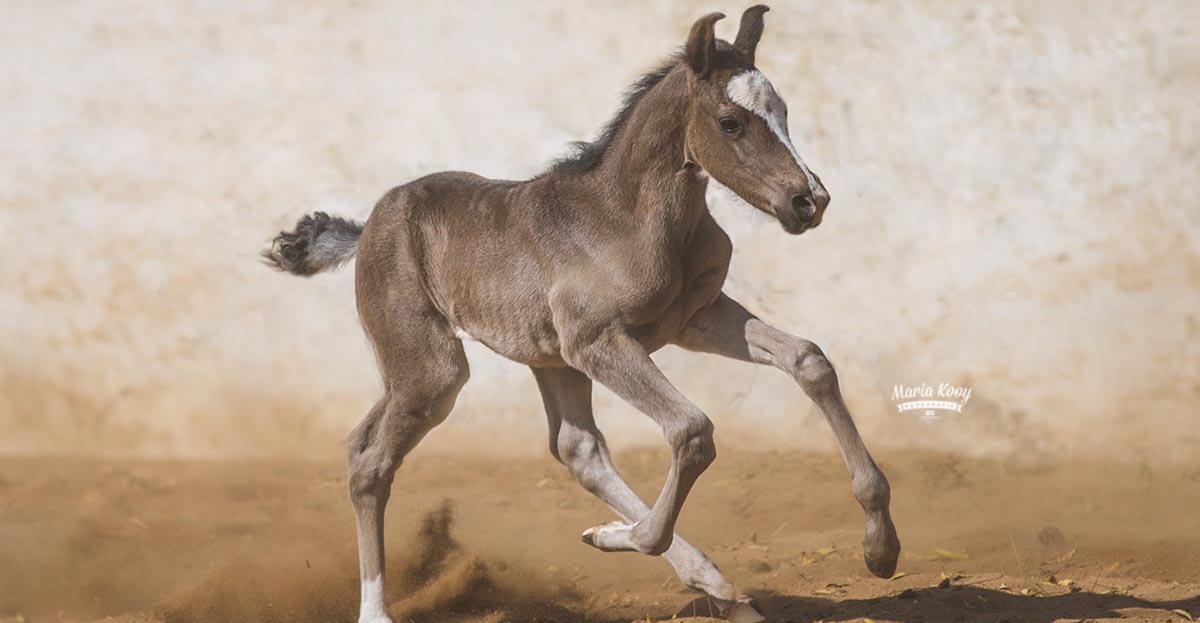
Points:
581	273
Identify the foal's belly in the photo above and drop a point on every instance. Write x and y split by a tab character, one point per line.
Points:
532	342
525	332
540	346
519	324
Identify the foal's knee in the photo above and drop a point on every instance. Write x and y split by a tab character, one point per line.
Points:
693	442
808	365
582	452
370	471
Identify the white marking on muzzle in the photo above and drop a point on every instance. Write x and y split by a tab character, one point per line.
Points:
751	90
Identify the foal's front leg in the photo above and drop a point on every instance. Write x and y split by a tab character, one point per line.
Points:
726	328
612	357
579	445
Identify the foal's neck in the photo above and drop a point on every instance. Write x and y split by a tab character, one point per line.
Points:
645	166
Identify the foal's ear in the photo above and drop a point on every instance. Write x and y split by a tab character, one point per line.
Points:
702	44
750	31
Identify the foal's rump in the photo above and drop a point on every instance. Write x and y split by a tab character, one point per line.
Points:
474	251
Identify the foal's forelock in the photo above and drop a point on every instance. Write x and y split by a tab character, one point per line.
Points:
751	90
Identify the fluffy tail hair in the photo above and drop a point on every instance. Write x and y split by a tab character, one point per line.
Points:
319	242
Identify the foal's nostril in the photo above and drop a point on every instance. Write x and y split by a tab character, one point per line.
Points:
804	206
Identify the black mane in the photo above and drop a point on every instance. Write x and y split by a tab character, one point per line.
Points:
587	154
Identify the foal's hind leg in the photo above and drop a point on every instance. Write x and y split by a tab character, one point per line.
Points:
726	328
578	444
423	369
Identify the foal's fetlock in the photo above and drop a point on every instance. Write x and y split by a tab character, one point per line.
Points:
872	491
652	544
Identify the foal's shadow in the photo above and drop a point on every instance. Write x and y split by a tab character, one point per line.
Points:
955	603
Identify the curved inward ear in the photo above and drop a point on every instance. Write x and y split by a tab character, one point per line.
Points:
702	44
750	31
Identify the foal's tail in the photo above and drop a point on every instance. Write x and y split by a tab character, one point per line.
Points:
319	242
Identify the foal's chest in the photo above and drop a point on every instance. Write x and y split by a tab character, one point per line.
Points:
667	296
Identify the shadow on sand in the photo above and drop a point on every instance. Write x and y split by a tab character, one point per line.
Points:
955	603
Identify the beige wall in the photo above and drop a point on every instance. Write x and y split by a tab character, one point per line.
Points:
1015	208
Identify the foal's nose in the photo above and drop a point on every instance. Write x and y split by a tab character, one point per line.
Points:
805	206
820	197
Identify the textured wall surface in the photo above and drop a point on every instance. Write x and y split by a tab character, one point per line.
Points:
1015	209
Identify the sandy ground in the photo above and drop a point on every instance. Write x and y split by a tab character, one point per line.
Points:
487	540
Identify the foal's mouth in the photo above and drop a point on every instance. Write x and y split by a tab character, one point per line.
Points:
795	230
793	223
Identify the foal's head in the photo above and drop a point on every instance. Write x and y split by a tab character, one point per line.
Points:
737	126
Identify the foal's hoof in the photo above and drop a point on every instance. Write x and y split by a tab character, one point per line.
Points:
742	611
881	546
617	536
614	536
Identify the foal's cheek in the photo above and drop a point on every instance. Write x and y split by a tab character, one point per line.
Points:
732	151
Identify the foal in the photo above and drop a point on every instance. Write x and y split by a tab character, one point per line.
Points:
581	273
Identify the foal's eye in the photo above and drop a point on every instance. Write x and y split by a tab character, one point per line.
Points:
729	125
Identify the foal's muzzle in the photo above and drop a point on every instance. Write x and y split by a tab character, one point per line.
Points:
804	210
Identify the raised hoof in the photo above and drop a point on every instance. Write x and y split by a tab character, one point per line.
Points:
881	546
743	611
610	537
617	536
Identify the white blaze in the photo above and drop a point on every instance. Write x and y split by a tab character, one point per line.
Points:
751	90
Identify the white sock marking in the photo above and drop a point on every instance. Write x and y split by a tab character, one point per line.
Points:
370	608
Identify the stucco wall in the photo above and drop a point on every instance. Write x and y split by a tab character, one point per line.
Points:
1015	209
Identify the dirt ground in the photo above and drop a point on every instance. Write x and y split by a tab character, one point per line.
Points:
487	540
